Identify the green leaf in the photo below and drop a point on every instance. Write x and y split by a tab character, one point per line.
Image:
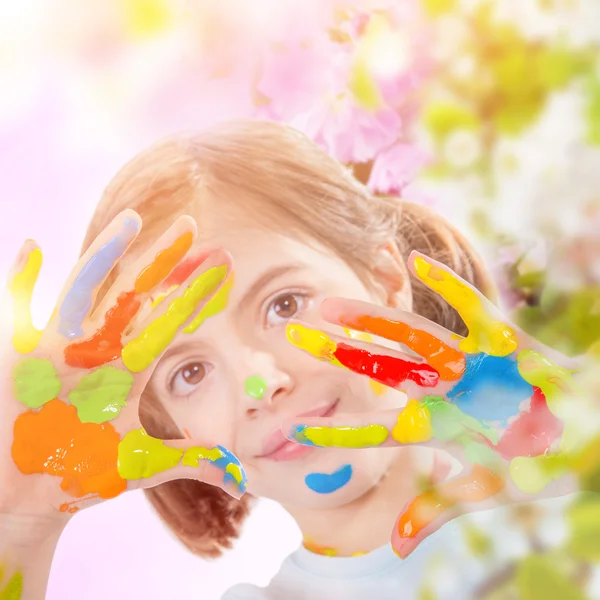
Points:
583	518
592	113
539	579
479	544
442	119
554	67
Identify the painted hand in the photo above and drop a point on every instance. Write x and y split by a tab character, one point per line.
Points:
70	430
502	403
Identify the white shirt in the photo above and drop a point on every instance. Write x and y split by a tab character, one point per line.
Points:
442	562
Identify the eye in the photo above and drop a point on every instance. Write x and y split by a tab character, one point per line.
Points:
188	377
284	307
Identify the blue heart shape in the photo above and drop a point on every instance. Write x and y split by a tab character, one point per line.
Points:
324	483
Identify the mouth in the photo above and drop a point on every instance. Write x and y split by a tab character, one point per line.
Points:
277	448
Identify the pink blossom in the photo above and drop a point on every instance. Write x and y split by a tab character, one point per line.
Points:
395	168
350	134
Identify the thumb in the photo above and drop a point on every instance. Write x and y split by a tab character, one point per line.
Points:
145	462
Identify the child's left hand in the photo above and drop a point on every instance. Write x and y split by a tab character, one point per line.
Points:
501	402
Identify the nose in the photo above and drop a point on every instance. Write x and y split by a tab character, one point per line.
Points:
264	383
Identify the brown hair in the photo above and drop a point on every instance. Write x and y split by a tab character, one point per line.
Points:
249	164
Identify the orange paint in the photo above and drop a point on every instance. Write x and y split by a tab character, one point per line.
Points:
426	508
105	345
165	261
54	441
447	361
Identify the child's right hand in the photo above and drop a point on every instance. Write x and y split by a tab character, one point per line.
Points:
70	434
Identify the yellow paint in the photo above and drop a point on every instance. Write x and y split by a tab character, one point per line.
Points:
235	471
554	381
347	437
214	306
140	353
193	456
142	456
161	297
14	587
532	474
414	424
486	334
26	337
378	388
313	341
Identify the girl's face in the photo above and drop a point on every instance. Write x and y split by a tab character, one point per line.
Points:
235	379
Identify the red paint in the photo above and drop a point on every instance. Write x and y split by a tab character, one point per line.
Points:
105	345
532	433
386	369
183	270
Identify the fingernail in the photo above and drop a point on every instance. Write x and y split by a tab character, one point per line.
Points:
313	341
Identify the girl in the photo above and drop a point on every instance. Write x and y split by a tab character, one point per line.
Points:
299	229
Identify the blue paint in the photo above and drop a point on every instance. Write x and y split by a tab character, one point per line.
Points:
322	483
297	434
491	388
78	300
226	460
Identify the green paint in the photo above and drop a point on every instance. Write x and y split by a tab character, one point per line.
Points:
255	387
480	454
100	396
14	589
35	382
193	456
450	424
142	456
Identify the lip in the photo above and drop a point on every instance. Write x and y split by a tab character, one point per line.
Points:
278	448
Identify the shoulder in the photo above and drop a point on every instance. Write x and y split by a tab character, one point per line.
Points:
245	591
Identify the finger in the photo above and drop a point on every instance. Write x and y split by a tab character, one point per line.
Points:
128	295
413	331
436	507
488	331
79	293
389	367
431	421
22	279
174	312
145	462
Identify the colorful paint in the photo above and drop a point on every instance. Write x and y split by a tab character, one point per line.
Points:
35	382
106	344
315	548
255	387
340	437
78	300
100	396
55	442
447	361
487	334
13	590
414	424
378	388
142	456
324	483
491	388
25	337
387	370
140	353
433	504
214	306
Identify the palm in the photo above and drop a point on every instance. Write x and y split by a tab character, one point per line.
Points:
72	435
495	399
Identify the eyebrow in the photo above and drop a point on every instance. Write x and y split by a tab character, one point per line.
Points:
267	277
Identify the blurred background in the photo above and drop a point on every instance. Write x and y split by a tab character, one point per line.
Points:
488	111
